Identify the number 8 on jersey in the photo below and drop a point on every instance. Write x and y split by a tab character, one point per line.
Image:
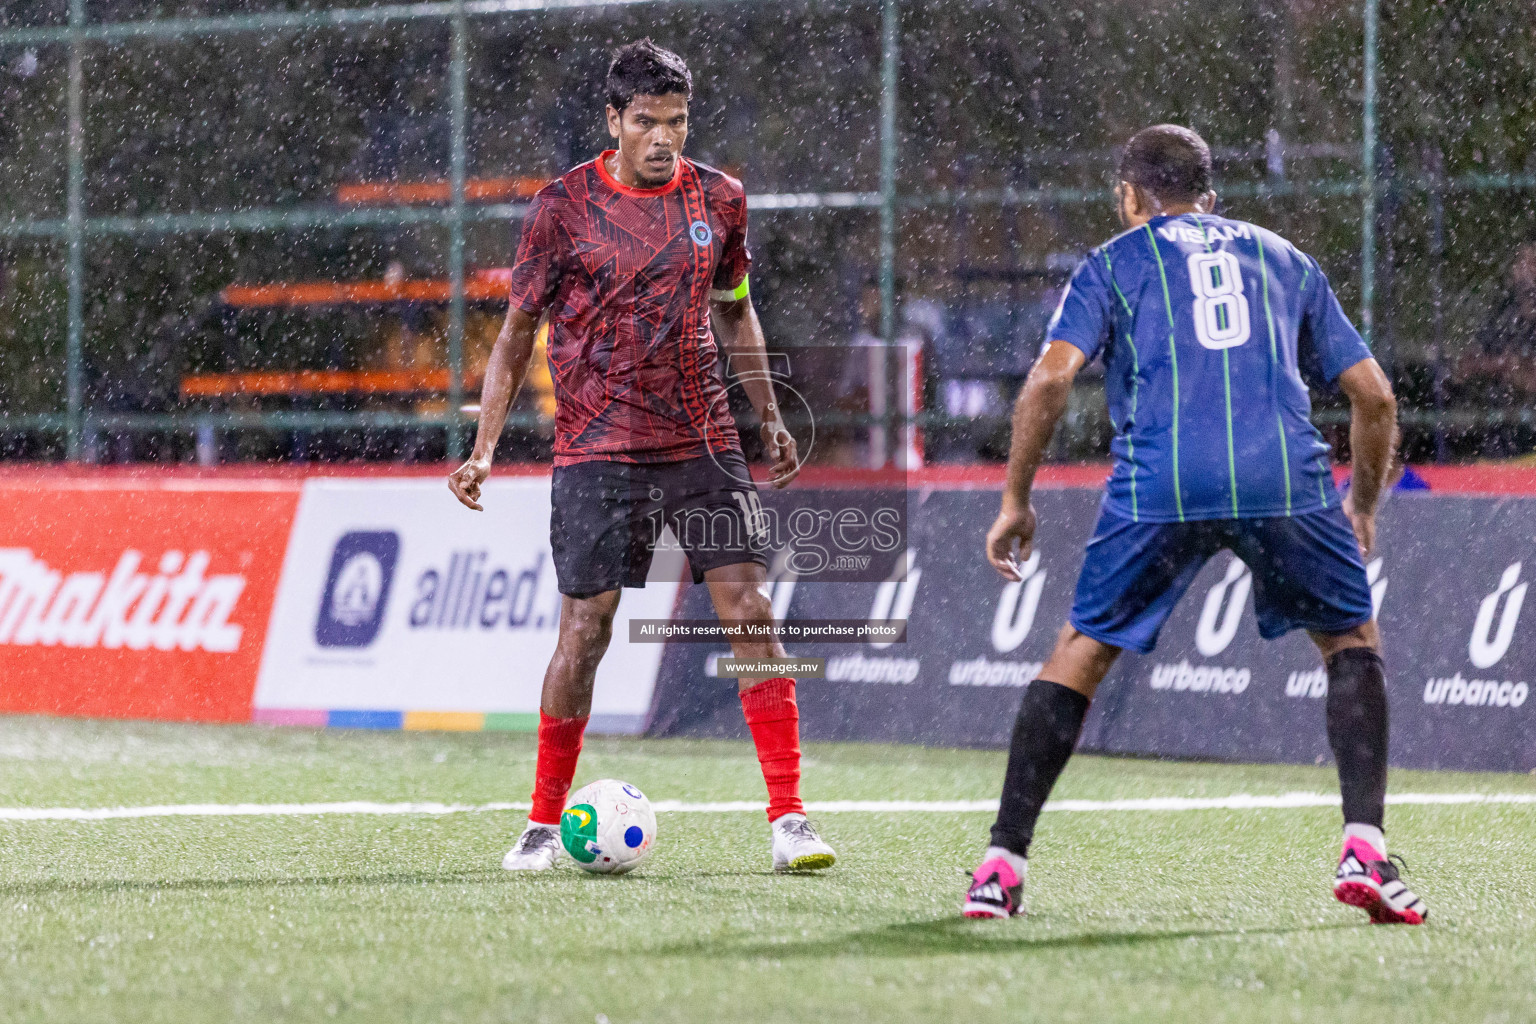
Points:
1221	308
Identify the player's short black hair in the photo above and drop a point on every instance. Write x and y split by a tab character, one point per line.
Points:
642	68
1169	161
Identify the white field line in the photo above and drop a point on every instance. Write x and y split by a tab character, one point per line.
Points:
1240	802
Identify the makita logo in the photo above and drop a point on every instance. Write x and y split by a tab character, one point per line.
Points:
180	607
1476	692
1205	679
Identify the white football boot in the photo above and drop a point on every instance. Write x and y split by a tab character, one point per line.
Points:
536	849
797	847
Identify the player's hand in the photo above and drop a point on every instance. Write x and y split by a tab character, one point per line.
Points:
1011	528
782	451
465	482
1364	524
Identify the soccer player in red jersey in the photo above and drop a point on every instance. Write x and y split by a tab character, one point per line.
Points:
629	256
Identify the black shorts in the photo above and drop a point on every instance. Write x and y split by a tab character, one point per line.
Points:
606	518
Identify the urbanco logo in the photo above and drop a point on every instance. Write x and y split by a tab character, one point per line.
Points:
1016	606
894	597
1488	646
1378	584
357	588
1200	678
1223	610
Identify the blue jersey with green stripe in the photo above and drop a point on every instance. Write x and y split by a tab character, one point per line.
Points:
1210	331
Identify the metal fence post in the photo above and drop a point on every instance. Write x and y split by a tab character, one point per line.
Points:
1368	174
458	75
77	227
890	61
1436	159
74	336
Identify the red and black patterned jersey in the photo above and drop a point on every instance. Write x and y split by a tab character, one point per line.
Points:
625	276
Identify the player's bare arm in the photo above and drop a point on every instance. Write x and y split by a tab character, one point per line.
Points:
643	217
1373	441
742	338
504	375
1179	277
1039	407
1044	399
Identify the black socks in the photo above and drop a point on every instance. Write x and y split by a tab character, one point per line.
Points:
1357	732
1050	718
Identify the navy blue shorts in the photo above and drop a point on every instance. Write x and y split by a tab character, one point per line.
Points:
1307	574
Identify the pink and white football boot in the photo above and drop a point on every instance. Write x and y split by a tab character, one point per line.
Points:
997	890
1370	881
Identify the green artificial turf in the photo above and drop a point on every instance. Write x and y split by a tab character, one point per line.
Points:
1135	916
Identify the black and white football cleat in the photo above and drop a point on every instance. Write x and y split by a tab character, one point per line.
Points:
1368	880
537	849
996	891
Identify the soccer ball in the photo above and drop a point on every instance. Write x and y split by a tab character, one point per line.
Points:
608	827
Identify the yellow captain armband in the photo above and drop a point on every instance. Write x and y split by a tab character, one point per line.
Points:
731	294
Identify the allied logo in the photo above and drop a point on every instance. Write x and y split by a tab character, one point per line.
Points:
578	832
701	234
357	588
474	592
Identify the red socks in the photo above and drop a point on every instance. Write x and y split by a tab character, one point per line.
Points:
774	720
559	747
771	715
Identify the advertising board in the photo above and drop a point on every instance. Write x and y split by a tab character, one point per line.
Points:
1449	583
400	607
137	600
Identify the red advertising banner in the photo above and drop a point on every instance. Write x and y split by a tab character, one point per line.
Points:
143	598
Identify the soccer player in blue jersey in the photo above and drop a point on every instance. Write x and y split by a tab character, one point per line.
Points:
1209	330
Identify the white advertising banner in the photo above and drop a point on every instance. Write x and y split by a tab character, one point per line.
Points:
395	598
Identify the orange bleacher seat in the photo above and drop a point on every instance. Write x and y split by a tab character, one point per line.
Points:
405	193
479	286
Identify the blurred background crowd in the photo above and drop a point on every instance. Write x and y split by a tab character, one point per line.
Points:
1007	120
